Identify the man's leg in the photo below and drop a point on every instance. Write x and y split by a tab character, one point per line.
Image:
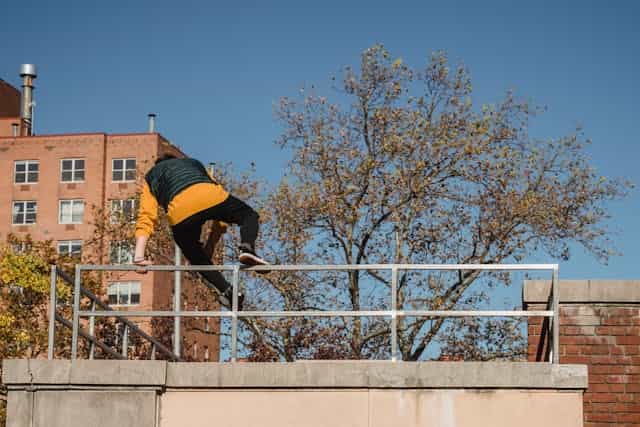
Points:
187	236
235	211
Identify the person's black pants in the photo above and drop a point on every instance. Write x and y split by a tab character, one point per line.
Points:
232	211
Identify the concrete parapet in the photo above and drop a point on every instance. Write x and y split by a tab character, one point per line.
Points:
308	374
84	372
583	291
376	374
315	393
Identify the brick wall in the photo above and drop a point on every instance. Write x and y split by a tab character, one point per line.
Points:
599	327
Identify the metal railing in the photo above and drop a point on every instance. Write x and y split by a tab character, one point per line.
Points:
128	326
394	313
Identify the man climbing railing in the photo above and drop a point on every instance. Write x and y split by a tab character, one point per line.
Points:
394	313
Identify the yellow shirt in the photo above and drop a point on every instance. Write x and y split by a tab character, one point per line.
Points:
189	201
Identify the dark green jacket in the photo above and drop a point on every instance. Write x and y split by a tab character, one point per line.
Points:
170	177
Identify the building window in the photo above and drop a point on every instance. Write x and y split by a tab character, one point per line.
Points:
124	170
26	171
124	210
21	247
24	212
72	170
71	248
121	252
119	336
71	211
124	293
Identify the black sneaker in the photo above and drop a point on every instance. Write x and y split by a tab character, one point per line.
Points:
226	298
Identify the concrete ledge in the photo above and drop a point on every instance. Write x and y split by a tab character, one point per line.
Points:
377	374
84	372
583	291
312	374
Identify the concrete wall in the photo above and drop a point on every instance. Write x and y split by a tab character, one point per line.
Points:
599	327
358	393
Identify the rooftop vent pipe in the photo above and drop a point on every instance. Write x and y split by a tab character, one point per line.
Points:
28	74
152	122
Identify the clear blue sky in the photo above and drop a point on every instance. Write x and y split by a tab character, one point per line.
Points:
212	73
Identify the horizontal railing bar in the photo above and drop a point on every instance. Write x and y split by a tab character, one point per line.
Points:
316	313
129	267
309	267
152	313
472	313
404	313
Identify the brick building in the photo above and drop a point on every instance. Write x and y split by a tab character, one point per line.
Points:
52	185
600	328
9	108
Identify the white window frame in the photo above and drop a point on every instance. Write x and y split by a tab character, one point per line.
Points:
128	286
25	212
73	202
119	247
120	209
69	244
26	171
124	169
73	170
21	247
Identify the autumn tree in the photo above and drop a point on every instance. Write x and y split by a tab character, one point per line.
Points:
25	267
402	166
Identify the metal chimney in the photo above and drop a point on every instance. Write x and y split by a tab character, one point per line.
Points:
28	74
15	129
152	122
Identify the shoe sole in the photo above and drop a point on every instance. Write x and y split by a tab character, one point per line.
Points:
227	302
250	259
224	301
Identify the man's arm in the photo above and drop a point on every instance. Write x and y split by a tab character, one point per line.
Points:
147	218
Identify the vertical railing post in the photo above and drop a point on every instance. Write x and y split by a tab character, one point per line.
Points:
234	314
52	312
76	314
394	313
177	304
125	341
92	328
555	288
153	351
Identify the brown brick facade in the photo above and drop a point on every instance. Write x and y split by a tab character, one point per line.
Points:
599	327
9	108
9	100
97	189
